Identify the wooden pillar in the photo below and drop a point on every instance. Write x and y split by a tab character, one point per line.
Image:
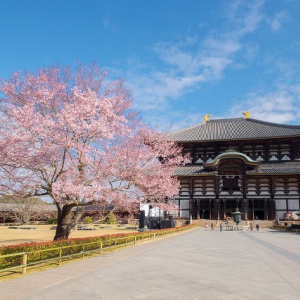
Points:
253	217
191	208
217	200
245	200
265	209
198	209
243	208
225	214
192	204
194	209
210	209
272	207
299	190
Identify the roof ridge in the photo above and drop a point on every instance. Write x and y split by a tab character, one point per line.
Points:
272	123
226	120
237	119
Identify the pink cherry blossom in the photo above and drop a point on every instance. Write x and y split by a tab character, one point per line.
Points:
76	139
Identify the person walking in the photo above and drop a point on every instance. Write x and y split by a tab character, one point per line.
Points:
251	226
221	227
257	226
212	226
206	226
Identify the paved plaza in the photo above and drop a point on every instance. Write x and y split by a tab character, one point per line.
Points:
197	264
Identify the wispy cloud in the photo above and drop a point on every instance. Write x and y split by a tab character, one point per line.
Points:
189	63
278	19
280	106
105	23
183	69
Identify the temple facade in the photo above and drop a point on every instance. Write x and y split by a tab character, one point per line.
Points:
239	163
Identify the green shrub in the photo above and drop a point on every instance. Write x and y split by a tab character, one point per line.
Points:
52	221
111	219
88	220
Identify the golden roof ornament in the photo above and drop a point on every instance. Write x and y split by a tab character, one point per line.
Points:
246	115
205	118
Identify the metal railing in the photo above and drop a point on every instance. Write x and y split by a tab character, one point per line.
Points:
30	258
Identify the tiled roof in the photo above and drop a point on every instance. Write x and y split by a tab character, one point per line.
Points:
233	129
280	167
192	170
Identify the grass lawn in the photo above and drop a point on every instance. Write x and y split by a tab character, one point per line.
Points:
44	234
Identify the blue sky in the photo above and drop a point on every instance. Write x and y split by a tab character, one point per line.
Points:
181	59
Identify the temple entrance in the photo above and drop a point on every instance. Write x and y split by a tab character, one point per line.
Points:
204	214
228	206
205	208
257	208
251	209
259	215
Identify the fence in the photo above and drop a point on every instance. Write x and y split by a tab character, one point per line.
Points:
23	260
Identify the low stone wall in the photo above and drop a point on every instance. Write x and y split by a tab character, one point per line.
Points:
289	228
181	222
133	222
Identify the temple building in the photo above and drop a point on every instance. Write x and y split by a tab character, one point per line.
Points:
240	163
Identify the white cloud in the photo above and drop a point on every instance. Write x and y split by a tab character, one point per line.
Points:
244	16
281	106
276	22
192	62
175	120
105	23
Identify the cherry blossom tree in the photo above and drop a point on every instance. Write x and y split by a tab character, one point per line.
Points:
75	138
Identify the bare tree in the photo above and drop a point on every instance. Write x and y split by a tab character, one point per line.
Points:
25	210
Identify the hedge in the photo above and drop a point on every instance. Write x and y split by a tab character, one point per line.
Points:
75	245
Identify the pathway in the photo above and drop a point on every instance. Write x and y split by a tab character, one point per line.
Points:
194	265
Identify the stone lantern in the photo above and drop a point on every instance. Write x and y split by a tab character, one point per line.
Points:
237	217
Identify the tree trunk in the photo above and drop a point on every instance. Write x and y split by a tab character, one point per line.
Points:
64	224
66	220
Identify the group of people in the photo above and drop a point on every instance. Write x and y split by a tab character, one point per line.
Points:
212	226
257	226
221	226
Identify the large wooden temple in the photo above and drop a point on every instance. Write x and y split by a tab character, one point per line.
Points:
239	163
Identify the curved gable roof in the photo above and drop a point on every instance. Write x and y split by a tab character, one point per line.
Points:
272	168
231	154
233	129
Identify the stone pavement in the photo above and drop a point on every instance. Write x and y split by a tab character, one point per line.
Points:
197	264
